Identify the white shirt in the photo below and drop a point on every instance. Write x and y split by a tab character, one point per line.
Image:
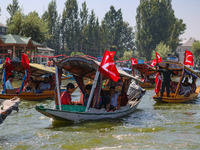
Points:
9	85
114	99
44	86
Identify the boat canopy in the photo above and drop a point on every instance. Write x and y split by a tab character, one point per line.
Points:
37	70
144	69
85	67
179	67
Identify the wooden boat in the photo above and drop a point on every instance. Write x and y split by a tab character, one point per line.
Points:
82	67
146	73
7	106
37	71
178	95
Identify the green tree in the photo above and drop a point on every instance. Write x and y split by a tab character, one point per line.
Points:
157	23
53	22
70	27
17	22
196	51
112	24
84	28
127	55
29	26
12	9
35	28
163	50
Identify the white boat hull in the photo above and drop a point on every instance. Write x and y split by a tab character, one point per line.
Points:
91	114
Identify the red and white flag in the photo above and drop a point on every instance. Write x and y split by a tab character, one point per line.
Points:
158	58
153	63
107	66
188	58
133	61
25	61
158	81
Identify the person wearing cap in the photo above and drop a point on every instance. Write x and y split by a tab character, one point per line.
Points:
66	96
8	82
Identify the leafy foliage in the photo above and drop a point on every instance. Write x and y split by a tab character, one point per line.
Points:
196	51
163	50
156	23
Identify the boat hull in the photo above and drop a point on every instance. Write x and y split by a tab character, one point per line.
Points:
92	114
177	99
30	95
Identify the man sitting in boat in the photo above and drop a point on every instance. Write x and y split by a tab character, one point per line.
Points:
87	94
135	90
66	95
186	87
113	104
8	82
31	86
44	86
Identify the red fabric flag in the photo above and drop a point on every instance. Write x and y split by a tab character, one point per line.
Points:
8	68
188	58
158	81
107	66
25	61
153	63
133	61
158	58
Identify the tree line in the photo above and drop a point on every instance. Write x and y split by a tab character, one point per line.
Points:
77	30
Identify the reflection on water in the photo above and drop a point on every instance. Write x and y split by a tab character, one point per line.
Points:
152	126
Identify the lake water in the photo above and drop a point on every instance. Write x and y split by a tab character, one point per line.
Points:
152	126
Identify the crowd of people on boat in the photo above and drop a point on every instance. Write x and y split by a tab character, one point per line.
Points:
32	85
186	88
110	99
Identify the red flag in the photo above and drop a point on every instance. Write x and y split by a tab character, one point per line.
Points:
153	63
25	61
158	58
133	61
107	66
158	81
188	58
8	67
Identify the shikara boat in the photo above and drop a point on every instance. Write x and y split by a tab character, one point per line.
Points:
146	73
179	93
36	71
7	106
82	67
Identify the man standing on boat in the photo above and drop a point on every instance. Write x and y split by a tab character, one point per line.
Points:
166	78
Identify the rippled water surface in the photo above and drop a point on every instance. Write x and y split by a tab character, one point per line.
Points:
152	126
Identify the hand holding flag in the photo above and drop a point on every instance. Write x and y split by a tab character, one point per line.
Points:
107	66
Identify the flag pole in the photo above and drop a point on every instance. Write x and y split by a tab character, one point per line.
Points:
58	88
92	90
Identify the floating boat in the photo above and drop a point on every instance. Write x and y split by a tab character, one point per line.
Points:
179	93
146	74
36	71
7	106
82	67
